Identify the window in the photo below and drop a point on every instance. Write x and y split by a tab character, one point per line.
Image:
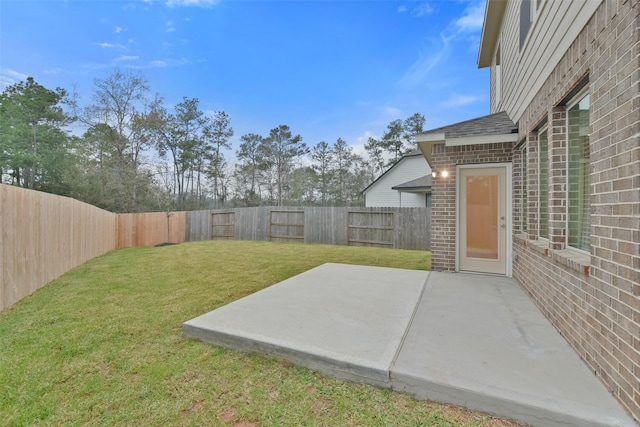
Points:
578	215
525	20
529	10
498	78
525	178
543	184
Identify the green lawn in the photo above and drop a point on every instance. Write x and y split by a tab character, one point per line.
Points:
102	345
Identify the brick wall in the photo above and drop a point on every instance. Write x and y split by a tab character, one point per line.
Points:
593	299
443	213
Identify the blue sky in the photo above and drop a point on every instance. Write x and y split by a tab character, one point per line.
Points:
328	69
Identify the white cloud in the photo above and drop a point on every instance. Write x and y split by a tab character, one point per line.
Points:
472	18
418	71
53	71
422	10
107	45
170	26
195	3
460	101
358	145
158	63
127	58
118	30
14	74
393	111
10	77
465	27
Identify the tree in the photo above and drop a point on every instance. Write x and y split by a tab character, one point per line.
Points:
180	135
393	141
31	135
374	149
216	136
248	172
322	158
411	127
280	150
398	139
342	167
302	185
118	117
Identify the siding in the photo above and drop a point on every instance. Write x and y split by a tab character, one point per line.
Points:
381	194
555	27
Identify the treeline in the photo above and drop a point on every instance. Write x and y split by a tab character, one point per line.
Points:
134	154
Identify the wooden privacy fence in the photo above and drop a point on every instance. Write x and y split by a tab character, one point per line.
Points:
150	228
402	228
42	236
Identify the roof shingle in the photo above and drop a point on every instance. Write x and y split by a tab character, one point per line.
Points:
493	124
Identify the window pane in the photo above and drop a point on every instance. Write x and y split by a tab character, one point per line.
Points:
543	191
525	20
482	209
525	180
578	170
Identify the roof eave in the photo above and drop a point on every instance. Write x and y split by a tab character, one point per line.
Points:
417	190
425	143
493	14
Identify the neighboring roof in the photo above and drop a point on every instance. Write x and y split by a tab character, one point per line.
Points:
491	26
494	128
413	153
422	183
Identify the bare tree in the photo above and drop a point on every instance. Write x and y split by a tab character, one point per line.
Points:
116	117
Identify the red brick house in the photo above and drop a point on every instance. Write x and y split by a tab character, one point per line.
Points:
546	189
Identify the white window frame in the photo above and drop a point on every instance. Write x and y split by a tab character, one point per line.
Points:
534	12
575	100
544	128
498	76
524	197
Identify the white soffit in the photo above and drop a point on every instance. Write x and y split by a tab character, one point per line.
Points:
430	137
481	139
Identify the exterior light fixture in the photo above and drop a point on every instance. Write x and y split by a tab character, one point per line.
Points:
442	174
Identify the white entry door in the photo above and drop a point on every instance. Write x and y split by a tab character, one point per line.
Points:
482	223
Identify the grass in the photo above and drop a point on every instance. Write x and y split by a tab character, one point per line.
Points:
102	345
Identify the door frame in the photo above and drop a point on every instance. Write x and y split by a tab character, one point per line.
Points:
508	208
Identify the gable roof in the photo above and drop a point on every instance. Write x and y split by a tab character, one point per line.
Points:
422	183
493	128
412	153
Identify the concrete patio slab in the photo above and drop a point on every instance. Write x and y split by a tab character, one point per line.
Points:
470	340
479	342
343	320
